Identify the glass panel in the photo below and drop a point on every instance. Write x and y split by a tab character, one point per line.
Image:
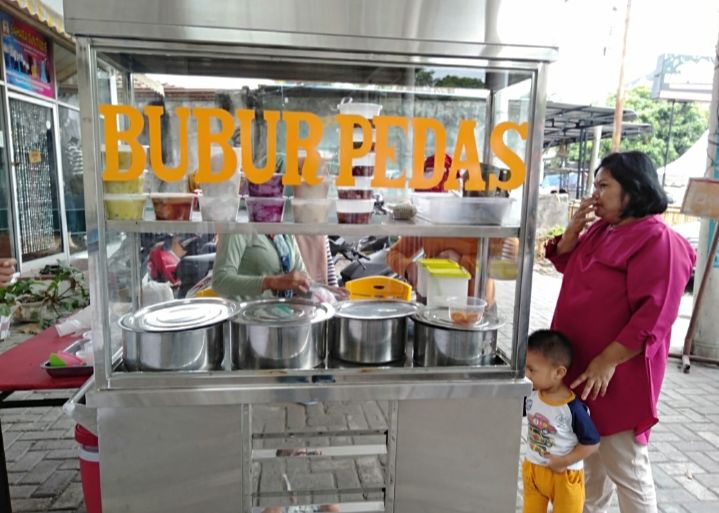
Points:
36	178
5	209
66	75
72	171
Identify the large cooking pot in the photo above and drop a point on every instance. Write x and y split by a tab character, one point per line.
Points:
440	342
180	335
280	334
370	331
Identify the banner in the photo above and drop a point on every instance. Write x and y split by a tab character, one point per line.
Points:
28	63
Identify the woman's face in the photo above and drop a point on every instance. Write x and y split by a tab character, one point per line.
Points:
609	197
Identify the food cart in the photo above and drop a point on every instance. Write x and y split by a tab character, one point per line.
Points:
216	435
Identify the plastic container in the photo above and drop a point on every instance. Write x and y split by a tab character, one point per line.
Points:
89	469
447	208
423	266
127	207
466	311
366	110
354	211
223	208
503	269
363	166
134	186
362	189
272	188
265	210
311	211
172	206
358	138
443	283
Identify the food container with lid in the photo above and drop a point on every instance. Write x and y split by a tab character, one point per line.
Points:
178	335
134	186
366	110
370	331
362	189
363	166
172	206
447	208
280	334
265	210
354	211
423	266
128	207
219	208
445	282
358	138
272	188
311	211
440	342
307	191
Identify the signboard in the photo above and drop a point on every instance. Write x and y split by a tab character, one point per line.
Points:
702	198
683	78
28	63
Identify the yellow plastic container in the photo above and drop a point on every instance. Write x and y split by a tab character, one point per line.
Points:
379	287
423	266
443	283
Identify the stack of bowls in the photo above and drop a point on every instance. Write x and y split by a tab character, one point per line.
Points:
266	201
221	201
356	203
310	203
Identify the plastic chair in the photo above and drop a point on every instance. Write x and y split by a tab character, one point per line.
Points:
379	287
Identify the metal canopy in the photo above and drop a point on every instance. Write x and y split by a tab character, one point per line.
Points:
567	123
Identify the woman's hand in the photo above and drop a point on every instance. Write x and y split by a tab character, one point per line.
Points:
596	377
581	218
293	280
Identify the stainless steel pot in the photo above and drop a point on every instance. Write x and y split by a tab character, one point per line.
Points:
182	335
438	342
280	334
370	331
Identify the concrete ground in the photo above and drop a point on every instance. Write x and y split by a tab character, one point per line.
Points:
43	463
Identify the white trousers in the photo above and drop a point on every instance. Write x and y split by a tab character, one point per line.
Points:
621	464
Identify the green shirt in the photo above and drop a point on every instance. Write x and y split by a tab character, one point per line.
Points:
243	260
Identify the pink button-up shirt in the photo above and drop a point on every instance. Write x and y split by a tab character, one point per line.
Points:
623	283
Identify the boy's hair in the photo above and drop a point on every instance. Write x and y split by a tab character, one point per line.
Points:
553	345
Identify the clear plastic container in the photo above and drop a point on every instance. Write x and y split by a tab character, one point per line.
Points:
362	189
366	110
219	208
363	166
265	210
503	269
354	211
447	208
227	188
126	207
311	211
443	283
466	311
172	206
134	186
273	188
423	266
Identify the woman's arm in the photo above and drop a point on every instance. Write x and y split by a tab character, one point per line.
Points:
399	256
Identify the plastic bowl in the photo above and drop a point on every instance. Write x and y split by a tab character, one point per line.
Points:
125	206
272	188
466	311
172	206
226	189
265	210
134	186
306	191
354	211
311	211
366	110
219	208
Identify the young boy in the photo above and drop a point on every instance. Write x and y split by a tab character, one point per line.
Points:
560	433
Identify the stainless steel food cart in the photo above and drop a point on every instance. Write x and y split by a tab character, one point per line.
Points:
193	441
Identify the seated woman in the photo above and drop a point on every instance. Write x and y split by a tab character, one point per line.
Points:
254	266
164	258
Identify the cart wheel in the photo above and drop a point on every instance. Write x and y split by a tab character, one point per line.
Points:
686	364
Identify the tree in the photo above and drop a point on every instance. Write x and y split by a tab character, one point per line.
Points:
690	122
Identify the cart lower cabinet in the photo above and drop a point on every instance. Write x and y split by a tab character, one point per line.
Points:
455	450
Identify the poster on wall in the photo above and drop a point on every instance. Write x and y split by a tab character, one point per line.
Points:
28	63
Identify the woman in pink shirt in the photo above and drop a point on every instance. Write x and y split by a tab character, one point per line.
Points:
623	281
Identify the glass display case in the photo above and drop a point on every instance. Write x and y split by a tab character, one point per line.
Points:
237	133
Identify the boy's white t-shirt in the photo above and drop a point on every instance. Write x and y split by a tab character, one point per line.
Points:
556	428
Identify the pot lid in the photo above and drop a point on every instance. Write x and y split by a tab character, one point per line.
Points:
179	315
282	312
439	317
371	309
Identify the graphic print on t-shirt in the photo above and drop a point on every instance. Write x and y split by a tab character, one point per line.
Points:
540	433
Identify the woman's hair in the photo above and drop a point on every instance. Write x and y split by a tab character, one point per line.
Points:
638	177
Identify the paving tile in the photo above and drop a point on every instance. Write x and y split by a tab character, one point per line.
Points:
70	498
55	484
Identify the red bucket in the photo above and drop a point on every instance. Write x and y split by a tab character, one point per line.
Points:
89	469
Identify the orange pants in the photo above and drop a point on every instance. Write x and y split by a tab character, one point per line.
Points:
542	485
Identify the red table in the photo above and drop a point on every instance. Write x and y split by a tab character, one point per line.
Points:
21	369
